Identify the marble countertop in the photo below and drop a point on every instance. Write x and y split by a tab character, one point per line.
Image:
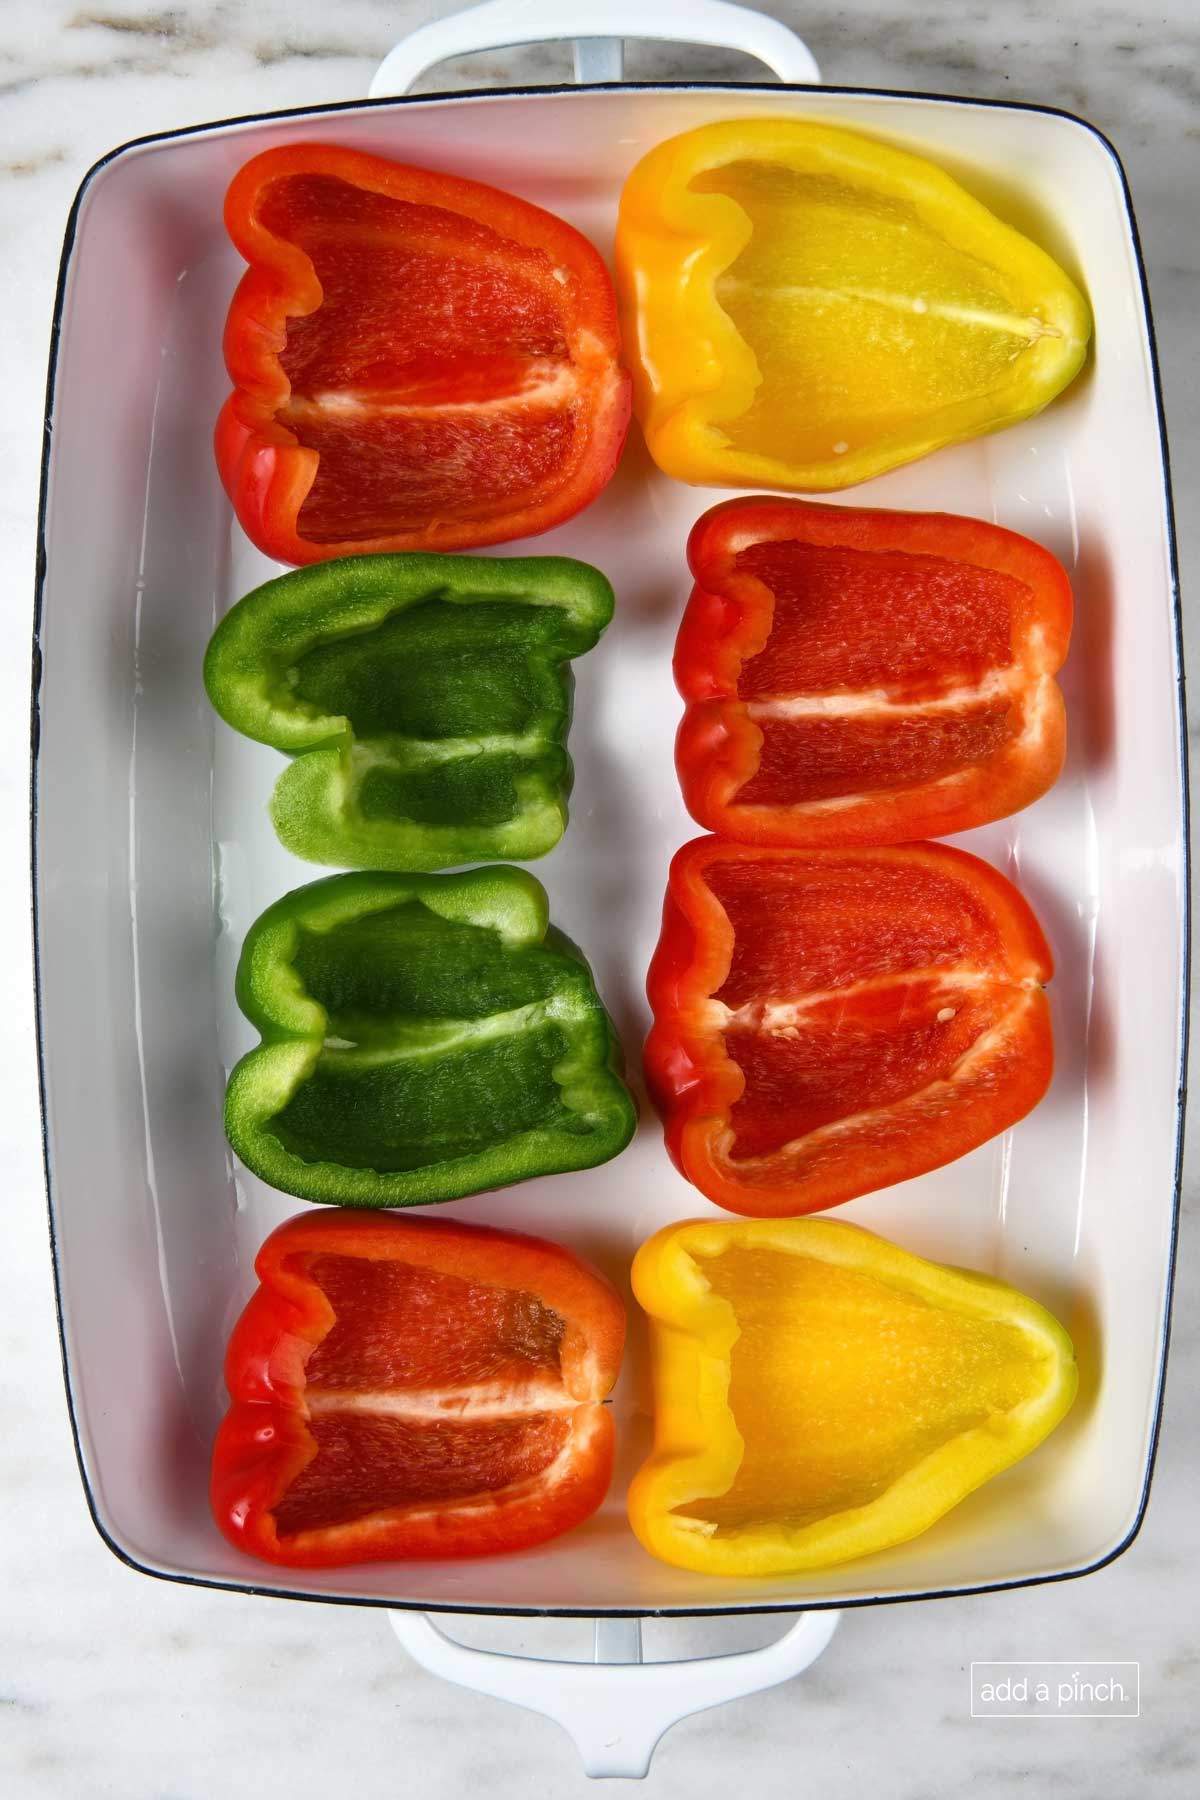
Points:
111	1684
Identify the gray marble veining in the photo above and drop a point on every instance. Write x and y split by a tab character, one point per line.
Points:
114	1685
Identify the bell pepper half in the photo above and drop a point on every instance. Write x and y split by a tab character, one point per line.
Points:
828	1022
414	1388
425	699
419	362
863	677
821	1394
806	308
423	1037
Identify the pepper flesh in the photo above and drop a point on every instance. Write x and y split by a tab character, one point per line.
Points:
419	362
828	1022
405	1388
821	1394
424	1037
426	700
856	676
807	308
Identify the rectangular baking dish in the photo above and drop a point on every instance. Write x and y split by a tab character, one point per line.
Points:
153	852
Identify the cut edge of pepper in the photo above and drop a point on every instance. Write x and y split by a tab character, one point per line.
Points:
264	1442
294	1030
682	422
695	1337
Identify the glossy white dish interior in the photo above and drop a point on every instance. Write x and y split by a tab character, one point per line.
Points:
155	854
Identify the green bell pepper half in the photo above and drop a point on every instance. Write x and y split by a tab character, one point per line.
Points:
425	699
423	1037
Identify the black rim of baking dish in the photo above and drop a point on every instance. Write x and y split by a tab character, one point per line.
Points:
333	109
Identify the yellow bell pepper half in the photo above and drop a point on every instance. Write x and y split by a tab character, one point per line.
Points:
821	1394
804	308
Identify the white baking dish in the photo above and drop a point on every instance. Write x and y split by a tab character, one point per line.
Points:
154	852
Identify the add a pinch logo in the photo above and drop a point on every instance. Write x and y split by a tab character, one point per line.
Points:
1055	1690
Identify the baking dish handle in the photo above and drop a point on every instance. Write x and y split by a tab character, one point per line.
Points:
599	28
616	1707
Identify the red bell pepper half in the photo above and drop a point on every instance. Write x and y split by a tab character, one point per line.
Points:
420	362
864	677
414	1388
827	1022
